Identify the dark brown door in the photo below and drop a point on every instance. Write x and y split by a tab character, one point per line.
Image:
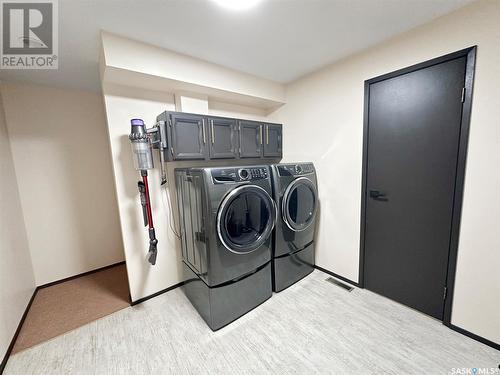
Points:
414	122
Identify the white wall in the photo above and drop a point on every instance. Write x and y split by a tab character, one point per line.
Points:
324	124
122	104
60	151
137	83
17	282
60	154
129	62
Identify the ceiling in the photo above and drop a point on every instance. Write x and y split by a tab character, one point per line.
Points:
280	40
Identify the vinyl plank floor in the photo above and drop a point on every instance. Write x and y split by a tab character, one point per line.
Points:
313	327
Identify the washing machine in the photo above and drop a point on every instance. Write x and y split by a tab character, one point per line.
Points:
295	192
227	216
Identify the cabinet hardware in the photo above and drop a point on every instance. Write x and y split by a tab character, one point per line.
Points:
267	134
203	130
261	140
213	133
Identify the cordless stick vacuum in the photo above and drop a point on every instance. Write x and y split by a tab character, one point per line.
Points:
141	141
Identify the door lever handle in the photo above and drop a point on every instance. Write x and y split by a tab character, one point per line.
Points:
375	194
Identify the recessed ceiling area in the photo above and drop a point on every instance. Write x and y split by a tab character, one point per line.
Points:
280	40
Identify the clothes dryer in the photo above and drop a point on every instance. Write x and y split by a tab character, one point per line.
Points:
296	195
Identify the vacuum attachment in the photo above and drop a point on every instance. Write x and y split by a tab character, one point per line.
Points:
153	251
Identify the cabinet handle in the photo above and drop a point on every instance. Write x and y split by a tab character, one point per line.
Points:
213	133
267	134
203	130
261	140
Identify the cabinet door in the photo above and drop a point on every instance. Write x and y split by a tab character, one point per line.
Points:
188	136
273	141
223	140
250	139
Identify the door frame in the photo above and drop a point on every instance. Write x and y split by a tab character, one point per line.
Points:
470	54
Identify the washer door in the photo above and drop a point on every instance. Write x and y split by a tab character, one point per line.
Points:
299	204
245	219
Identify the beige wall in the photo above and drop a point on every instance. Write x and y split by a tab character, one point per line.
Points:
60	151
17	282
324	120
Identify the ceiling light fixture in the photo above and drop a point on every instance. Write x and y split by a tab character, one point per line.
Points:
237	4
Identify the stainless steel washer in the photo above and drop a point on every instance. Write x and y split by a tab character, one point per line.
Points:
227	216
296	194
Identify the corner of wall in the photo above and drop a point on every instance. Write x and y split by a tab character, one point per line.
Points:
16	266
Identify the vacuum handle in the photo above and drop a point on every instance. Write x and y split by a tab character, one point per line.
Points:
142	192
153	242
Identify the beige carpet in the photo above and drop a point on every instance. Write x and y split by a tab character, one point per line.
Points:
63	307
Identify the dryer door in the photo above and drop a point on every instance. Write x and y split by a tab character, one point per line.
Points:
245	219
299	204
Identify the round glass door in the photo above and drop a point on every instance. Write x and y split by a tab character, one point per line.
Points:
299	204
245	219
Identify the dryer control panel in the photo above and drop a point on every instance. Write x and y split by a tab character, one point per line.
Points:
295	169
224	175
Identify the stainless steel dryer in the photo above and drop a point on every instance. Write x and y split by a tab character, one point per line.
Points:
227	217
296	194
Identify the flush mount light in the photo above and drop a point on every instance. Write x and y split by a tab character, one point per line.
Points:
237	4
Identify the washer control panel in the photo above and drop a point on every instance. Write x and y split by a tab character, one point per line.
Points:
295	169
224	175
